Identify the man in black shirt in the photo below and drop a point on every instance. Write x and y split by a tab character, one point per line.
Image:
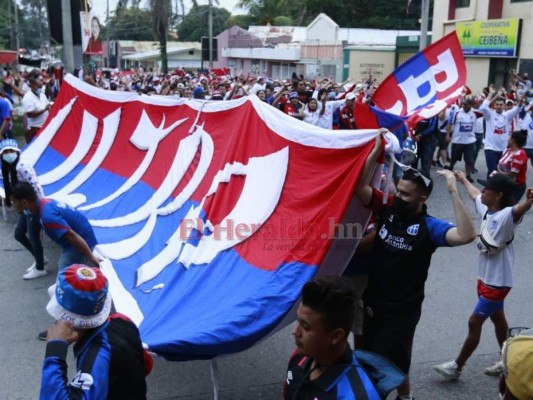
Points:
400	258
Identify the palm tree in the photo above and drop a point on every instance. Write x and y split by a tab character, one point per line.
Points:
264	11
161	12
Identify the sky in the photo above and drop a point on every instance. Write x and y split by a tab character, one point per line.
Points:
100	6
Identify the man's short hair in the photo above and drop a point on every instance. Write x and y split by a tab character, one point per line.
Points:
499	98
520	137
423	183
334	299
24	191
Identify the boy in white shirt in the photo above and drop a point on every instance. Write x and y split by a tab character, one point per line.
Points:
500	216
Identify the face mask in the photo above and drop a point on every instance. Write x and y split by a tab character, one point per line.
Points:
401	207
10	157
38	91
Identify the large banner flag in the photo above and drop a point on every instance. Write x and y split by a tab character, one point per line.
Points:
368	117
425	84
210	215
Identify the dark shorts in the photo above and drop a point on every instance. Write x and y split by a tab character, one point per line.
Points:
441	140
391	334
466	150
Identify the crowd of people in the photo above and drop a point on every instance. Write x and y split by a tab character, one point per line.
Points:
381	300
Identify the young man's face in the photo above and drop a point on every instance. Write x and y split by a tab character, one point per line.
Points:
490	197
499	106
311	336
409	192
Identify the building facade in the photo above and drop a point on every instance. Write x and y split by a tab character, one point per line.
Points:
320	49
496	37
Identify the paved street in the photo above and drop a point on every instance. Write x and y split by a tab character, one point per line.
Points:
259	372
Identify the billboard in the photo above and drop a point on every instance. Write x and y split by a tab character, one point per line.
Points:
492	38
91	40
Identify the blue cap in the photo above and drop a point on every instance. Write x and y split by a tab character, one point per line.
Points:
9	144
198	92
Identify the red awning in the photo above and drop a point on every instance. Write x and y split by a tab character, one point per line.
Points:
7	56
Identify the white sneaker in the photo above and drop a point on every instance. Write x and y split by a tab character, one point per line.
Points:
34	274
495	370
31	267
35	264
450	370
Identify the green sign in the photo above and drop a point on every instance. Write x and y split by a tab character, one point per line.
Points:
491	38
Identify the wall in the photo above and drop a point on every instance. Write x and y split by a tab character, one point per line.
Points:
479	68
381	62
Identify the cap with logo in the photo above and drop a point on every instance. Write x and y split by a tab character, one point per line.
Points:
81	297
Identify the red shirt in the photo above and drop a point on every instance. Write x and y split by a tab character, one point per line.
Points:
346	118
514	161
293	111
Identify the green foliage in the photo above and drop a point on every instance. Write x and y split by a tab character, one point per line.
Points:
283	21
195	23
33	24
244	21
264	11
379	14
131	24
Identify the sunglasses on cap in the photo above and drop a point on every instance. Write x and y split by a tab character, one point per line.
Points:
417	174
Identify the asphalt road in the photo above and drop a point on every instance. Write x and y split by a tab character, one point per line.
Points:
259	372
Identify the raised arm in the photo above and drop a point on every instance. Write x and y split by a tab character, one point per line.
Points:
521	208
464	231
472	191
363	190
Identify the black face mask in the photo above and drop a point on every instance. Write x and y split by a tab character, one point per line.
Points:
402	208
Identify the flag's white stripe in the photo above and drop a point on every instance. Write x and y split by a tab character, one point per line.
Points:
127	247
108	137
32	153
122	299
142	141
206	157
88	133
182	160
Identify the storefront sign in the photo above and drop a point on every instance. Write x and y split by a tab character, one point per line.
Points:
492	38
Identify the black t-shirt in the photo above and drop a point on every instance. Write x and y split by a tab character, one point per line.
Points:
400	259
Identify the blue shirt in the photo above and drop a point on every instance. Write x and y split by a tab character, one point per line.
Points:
58	218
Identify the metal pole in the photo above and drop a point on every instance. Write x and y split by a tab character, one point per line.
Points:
68	44
17	44
424	24
11	43
210	28
107	34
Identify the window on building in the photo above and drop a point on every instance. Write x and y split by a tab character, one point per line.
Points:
462	3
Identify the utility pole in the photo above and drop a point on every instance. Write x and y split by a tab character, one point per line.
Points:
210	28
107	34
17	44
68	43
424	24
10	25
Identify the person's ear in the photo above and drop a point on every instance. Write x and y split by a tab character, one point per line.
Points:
337	336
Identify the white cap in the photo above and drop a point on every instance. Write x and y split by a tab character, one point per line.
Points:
350	96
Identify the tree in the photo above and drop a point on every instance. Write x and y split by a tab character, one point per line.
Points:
32	23
194	25
264	11
161	12
130	24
